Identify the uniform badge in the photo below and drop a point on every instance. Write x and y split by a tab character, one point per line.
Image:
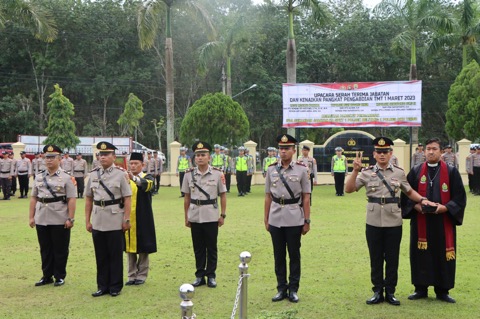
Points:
50	148
444	187
284	139
381	142
103	146
199	145
423	179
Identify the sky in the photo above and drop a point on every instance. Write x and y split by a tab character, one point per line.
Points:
368	3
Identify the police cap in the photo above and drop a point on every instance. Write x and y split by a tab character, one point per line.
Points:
201	147
52	150
305	147
105	147
216	146
338	149
448	146
382	143
285	141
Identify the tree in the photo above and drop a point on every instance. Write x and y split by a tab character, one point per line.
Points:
463	114
29	15
159	127
149	19
60	129
215	118
130	118
465	32
17	117
417	16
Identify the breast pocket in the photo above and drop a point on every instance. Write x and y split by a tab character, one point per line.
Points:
372	186
293	178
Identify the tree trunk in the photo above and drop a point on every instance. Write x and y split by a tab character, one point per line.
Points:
224	80
291	69
104	121
413	76
169	90
229	76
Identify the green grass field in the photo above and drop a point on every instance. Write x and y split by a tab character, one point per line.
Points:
335	266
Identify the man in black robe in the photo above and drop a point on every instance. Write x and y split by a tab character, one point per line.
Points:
140	240
433	228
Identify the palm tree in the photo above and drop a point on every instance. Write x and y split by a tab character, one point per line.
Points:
294	7
466	31
149	19
418	17
29	15
223	48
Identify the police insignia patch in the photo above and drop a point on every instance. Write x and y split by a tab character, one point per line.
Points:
50	148
199	145
284	139
381	142
103	146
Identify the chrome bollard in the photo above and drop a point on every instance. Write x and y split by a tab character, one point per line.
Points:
186	306
245	258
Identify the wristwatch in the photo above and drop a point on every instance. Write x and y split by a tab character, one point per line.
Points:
127	221
422	199
72	220
307	221
223	215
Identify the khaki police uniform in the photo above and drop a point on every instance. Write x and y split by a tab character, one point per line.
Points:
67	165
51	213
469	169
418	158
13	189
286	219
476	172
24	171
203	215
80	171
107	220
311	165
7	171
158	171
384	222
450	159
38	166
394	160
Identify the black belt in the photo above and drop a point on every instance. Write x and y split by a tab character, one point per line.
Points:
104	203
51	200
384	200
22	171
79	171
152	171
5	172
201	202
283	201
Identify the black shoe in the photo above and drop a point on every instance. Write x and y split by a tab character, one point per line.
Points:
446	298
44	281
211	282
293	297
199	281
280	296
240	194
114	293
99	293
130	283
59	282
139	282
376	298
418	295
390	298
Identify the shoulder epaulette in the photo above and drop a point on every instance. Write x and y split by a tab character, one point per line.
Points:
217	168
95	169
367	168
301	163
120	168
273	164
398	167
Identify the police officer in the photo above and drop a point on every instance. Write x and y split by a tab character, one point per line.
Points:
449	157
476	170
52	213
150	165
202	186
469	168
96	161
7	171
311	164
269	160
158	170
250	170
240	171
67	163
107	213
184	162
382	182
228	167
80	172
339	169
217	159
419	156
23	167
13	188
287	215
35	164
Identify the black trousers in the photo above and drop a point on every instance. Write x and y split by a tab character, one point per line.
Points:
242	182
6	186
384	246
23	182
470	182
80	185
13	188
283	239
228	181
249	183
109	257
204	238
180	176
339	181
476	180
54	241
157	183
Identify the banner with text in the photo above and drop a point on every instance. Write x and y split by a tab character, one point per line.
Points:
352	104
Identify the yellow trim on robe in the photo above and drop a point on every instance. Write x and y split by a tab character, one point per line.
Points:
131	235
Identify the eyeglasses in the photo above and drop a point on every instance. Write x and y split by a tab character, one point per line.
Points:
382	152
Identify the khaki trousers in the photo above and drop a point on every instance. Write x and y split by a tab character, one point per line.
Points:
137	266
